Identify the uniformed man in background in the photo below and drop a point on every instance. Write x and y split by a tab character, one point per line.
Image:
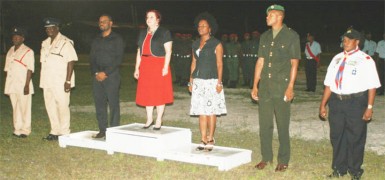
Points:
175	58
57	57
370	45
313	57
233	52
19	66
246	59
225	41
276	71
350	88
185	59
380	51
254	54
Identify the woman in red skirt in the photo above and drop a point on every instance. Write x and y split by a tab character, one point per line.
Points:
152	69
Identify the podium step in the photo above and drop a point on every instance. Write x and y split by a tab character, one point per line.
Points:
168	143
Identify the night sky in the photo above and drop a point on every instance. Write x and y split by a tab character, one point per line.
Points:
327	19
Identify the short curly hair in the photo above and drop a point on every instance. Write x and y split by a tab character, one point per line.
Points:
210	20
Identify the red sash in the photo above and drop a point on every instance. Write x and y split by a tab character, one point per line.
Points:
21	60
311	53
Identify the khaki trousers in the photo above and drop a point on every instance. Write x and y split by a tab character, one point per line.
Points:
57	106
21	105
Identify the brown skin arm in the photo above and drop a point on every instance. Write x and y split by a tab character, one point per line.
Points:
219	56
70	69
293	75
369	112
325	99
257	77
193	66
28	79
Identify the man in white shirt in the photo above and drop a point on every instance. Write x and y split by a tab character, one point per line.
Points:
57	57
350	87
380	51
19	65
312	52
370	45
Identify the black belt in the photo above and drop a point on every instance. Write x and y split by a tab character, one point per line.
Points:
349	96
146	55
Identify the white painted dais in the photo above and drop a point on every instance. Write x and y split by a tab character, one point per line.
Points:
168	143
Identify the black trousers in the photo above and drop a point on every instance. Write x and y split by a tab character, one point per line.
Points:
348	133
381	74
106	93
311	74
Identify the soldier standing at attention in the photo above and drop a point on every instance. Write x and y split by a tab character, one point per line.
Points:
57	57
246	58
19	66
175	59
381	64
254	55
233	54
350	88
225	41
312	52
185	51
276	71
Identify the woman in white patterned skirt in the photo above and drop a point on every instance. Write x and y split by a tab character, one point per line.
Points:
207	100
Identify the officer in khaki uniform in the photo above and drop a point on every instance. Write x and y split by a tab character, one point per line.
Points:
19	65
185	53
225	42
276	71
57	57
175	57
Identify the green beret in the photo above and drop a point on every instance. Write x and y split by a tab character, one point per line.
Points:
275	7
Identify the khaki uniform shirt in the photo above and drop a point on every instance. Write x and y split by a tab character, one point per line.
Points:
54	58
277	53
17	65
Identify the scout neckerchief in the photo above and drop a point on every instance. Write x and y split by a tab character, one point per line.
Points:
342	67
311	53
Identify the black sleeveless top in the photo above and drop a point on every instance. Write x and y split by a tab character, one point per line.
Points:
206	61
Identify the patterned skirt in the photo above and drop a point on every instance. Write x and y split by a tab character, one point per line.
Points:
205	100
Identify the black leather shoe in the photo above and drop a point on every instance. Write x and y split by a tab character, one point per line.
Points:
157	128
15	135
51	137
23	135
100	135
335	174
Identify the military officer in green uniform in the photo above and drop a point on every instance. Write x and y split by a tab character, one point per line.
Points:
175	58
276	71
185	59
233	52
253	55
225	76
249	57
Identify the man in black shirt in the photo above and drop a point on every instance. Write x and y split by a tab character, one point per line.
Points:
106	55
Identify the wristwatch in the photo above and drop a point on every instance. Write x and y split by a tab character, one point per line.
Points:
68	82
370	106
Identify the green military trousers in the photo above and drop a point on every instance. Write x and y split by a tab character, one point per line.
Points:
233	67
268	107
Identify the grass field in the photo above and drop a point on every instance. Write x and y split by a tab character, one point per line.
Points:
33	158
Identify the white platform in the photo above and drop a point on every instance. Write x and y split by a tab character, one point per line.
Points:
82	139
169	143
133	139
224	158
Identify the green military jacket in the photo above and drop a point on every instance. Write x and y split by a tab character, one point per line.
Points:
233	49
277	54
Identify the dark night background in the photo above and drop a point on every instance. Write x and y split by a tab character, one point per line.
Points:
327	19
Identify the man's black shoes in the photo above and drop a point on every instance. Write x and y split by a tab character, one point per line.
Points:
51	137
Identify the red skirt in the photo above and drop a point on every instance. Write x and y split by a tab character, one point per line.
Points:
153	88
